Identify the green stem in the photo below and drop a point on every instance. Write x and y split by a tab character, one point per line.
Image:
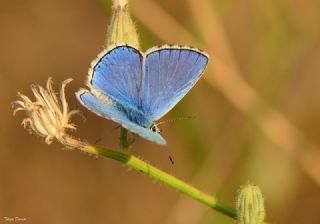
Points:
123	139
165	178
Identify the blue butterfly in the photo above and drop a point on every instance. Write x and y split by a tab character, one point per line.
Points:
135	89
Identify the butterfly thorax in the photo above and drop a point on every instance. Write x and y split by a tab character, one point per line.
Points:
135	115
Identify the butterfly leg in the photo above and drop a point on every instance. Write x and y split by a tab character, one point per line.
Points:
132	139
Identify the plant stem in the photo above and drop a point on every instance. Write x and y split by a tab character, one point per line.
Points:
123	145
164	178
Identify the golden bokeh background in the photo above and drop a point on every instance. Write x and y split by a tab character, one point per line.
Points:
257	112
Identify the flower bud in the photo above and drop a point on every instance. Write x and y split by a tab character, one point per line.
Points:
250	205
122	28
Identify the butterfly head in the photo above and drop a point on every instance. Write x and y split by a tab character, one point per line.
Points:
155	128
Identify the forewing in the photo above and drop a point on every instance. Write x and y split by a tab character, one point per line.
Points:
104	107
118	74
169	73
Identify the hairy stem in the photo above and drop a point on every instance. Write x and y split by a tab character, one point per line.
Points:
164	178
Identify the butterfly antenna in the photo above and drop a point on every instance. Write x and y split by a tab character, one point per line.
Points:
176	119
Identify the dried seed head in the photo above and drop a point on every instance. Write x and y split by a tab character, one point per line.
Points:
47	116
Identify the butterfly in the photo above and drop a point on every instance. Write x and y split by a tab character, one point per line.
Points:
135	89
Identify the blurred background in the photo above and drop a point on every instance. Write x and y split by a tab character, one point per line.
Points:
257	112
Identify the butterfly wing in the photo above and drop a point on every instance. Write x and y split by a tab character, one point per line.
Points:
117	73
169	73
153	83
105	107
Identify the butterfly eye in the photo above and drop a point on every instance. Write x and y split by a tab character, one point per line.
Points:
155	128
